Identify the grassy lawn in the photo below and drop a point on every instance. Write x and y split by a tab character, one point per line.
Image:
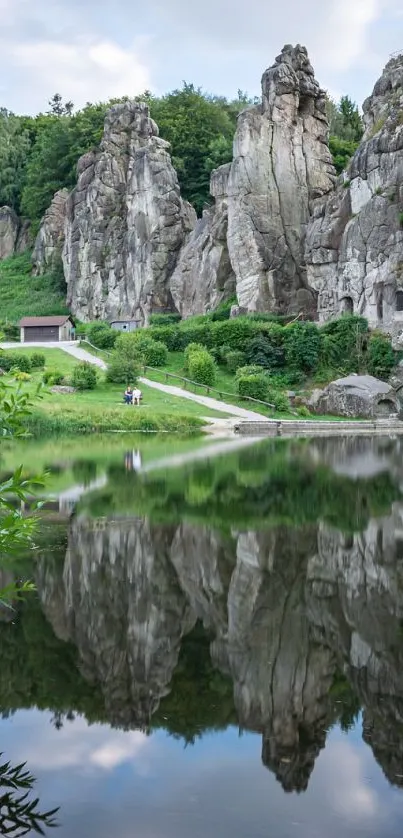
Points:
108	397
22	294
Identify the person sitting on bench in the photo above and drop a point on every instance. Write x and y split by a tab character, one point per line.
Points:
136	396
128	396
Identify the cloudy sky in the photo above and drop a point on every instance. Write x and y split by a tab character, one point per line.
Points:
89	50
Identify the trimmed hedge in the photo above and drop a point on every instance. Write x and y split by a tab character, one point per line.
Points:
255	386
101	335
235	359
190	349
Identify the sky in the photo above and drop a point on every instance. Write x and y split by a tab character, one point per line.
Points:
91	50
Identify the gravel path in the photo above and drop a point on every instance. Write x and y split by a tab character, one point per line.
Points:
206	401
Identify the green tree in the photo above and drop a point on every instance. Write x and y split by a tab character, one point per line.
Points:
14	151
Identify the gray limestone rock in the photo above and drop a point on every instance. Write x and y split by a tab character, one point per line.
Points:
204	277
357	396
354	241
281	164
252	240
50	239
126	221
9	227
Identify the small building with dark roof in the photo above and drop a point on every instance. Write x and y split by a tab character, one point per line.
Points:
47	329
125	325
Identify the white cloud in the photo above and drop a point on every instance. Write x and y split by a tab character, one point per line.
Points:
82	70
351	795
82	747
342	38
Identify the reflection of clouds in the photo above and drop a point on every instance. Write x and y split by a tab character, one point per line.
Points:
111	783
350	794
82	747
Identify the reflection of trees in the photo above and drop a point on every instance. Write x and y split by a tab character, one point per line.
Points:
264	487
19	813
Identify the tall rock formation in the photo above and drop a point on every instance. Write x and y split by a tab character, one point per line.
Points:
253	240
50	239
354	243
126	221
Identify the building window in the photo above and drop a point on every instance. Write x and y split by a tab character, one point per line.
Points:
399	300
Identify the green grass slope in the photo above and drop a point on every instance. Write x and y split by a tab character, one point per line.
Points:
24	295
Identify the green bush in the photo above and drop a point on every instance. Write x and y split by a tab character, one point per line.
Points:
125	363
279	399
84	376
234	333
20	376
202	367
194	331
37	360
190	349
302	346
53	377
235	359
9	330
256	386
223	311
267	349
155	353
344	343
250	369
17	360
164	319
101	335
169	335
380	356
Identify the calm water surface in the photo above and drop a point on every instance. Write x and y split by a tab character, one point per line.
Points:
216	643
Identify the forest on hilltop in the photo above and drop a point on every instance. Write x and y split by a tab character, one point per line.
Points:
39	154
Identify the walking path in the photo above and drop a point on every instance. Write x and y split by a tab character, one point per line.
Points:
82	355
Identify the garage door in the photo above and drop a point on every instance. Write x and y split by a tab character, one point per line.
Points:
40	333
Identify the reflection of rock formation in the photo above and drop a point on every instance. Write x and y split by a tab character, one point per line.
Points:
286	609
124	610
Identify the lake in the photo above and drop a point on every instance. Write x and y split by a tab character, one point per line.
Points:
215	646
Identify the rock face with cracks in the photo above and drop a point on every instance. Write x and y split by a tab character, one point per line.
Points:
354	242
126	222
49	241
14	233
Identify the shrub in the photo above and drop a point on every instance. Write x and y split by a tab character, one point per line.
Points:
169	335
53	377
344	342
17	360
250	369
302	346
20	376
9	330
267	349
84	376
192	347
37	360
235	359
194	331
279	399
164	319
101	335
234	333
380	356
223	311
202	367
255	386
125	363
155	353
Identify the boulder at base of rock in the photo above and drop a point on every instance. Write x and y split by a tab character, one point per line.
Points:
361	396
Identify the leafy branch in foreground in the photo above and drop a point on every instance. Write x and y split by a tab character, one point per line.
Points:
19	814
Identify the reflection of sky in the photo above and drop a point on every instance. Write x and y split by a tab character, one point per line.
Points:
127	785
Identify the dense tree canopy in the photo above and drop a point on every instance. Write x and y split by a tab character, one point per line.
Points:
38	155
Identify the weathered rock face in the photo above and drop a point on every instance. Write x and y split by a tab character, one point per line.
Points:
252	241
357	395
50	239
14	233
354	242
126	221
281	164
204	277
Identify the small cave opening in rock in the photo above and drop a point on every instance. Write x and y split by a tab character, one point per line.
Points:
385	407
399	300
379	305
347	305
304	106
